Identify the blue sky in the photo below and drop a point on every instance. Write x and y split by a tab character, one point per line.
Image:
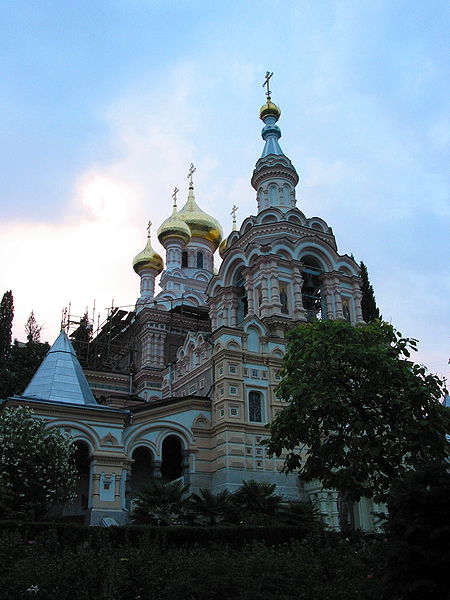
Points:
106	103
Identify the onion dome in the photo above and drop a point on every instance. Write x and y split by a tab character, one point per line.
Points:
148	258
200	224
223	247
269	109
174	228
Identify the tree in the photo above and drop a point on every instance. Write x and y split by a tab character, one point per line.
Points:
32	329
357	415
258	497
370	311
160	503
35	465
211	507
81	337
418	528
6	319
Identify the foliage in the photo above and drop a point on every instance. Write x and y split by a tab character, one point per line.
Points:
35	465
160	503
300	513
22	360
357	414
209	506
81	337
319	568
256	500
6	319
32	329
254	503
370	311
418	526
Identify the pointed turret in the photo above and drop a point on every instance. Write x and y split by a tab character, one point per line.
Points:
60	377
274	177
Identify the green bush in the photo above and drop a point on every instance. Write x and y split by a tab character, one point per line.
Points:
317	568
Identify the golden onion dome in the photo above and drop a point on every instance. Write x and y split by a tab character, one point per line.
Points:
269	108
200	224
174	228
148	258
222	247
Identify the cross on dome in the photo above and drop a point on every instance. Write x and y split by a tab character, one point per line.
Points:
191	172
148	228
174	195
233	214
266	83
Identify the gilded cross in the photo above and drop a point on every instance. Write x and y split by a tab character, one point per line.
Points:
266	83
191	171
148	228
174	195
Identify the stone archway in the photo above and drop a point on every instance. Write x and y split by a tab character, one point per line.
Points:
142	469
82	460
172	458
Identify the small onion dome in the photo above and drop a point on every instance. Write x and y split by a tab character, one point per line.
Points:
148	259
269	109
200	224
222	247
174	228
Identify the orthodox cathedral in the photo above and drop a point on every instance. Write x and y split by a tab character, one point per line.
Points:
183	385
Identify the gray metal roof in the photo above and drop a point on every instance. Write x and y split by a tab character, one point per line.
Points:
60	377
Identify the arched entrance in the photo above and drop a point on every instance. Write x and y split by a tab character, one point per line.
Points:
142	470
82	460
172	458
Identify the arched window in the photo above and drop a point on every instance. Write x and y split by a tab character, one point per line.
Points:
199	260
312	297
242	307
255	413
284	298
184	259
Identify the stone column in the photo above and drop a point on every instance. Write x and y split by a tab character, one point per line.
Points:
185	466
250	294
297	283
357	297
157	469
338	302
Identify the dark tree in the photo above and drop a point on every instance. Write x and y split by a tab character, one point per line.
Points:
25	360
418	528
370	311
357	414
81	337
6	319
32	329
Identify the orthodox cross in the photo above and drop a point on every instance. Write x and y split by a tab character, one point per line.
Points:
148	228
266	83
191	171
174	195
233	214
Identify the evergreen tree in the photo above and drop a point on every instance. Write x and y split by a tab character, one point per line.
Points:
81	337
6	319
370	311
32	329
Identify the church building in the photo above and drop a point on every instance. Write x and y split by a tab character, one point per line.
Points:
183	385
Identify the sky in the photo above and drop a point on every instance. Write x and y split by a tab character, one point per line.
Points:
106	103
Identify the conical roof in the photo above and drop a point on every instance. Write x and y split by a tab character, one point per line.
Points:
60	377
